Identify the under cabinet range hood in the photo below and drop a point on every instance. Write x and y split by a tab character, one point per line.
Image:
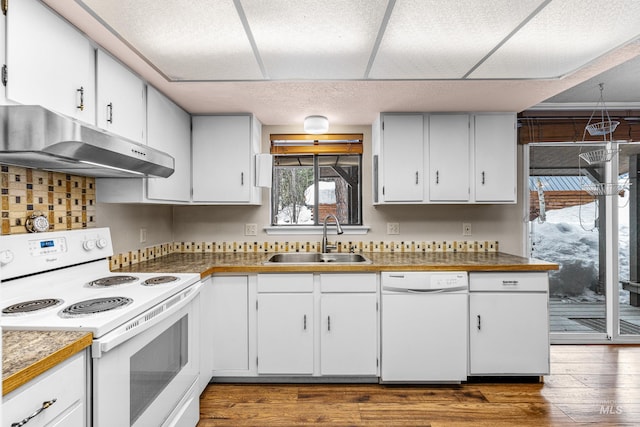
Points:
34	137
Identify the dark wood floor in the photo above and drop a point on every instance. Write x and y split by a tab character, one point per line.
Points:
588	385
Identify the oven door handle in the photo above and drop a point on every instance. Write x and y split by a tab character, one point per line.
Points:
144	321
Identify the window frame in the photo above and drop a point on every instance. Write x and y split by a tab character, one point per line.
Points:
316	146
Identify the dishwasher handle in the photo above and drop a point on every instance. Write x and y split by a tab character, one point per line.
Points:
403	290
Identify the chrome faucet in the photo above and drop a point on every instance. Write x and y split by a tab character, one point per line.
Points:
325	247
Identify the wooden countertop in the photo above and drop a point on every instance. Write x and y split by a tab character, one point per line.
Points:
27	354
212	263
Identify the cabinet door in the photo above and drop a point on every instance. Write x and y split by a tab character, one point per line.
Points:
495	157
449	157
285	334
349	335
121	99
49	62
169	130
222	159
402	158
228	309
508	334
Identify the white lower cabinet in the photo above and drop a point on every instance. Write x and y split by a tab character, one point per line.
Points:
349	335
65	385
509	324
227	311
285	324
285	333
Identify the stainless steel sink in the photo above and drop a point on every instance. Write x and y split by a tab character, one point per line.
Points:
317	258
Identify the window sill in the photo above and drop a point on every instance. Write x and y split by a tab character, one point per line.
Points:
314	230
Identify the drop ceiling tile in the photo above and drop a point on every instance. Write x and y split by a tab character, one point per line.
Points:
195	40
314	40
565	36
432	39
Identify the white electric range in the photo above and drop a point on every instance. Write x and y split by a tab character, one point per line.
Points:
145	326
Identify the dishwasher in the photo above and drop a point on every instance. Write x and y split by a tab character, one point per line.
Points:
424	319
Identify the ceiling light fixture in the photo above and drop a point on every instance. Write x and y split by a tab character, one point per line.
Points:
316	124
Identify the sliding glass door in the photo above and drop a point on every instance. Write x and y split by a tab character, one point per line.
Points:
579	216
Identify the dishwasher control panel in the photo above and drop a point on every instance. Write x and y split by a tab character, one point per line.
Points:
425	281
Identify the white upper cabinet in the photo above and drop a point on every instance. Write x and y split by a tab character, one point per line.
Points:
465	158
49	62
449	157
402	151
121	99
224	149
495	157
169	130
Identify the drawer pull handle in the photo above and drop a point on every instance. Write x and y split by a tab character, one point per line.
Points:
397	276
328	323
479	323
416	177
45	405
510	283
305	322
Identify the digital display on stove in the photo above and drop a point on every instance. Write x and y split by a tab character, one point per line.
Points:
47	243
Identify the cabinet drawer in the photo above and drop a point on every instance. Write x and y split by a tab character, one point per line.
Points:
348	282
509	282
285	282
66	383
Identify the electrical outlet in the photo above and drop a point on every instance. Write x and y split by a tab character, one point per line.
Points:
393	228
143	235
251	229
466	229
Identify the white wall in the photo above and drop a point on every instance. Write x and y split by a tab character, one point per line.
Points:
126	221
417	222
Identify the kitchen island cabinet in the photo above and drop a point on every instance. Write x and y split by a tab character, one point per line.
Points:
120	106
49	62
224	150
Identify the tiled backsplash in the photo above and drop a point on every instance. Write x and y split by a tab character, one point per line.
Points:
68	201
134	257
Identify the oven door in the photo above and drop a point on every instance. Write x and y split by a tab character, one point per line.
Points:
143	371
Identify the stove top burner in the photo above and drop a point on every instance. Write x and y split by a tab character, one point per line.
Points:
26	307
159	280
93	306
105	282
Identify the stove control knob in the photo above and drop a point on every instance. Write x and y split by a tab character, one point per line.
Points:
101	243
6	257
89	245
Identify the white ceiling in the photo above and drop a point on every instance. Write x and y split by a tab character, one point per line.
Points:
350	60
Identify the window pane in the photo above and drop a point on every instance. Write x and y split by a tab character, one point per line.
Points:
293	204
301	198
339	188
